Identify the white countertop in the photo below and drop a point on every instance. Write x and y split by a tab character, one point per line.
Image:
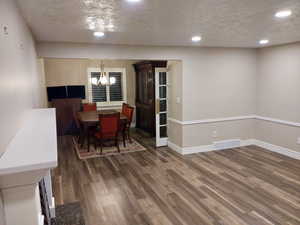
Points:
35	145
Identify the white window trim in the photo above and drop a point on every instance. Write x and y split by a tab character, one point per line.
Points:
110	104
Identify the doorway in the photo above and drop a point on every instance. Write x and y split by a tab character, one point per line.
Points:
151	100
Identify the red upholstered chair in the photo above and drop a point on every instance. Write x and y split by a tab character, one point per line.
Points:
109	129
89	107
124	105
128	112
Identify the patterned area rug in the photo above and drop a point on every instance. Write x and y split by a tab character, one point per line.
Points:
108	149
69	214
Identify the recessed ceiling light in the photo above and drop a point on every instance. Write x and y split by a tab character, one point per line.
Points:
98	34
196	38
133	0
283	14
264	41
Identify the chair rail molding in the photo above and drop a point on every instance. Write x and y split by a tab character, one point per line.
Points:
217	120
274	120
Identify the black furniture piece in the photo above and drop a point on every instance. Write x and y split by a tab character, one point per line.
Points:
62	92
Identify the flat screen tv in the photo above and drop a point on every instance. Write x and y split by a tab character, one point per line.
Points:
76	91
56	92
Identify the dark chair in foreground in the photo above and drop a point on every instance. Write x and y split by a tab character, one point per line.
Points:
128	112
109	125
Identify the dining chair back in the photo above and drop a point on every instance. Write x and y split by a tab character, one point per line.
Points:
128	112
124	105
109	124
109	128
87	107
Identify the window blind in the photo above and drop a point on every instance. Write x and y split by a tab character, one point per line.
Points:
98	91
115	90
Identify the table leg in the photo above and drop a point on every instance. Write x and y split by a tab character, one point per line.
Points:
88	140
85	135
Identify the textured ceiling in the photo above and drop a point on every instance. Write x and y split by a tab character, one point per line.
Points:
222	23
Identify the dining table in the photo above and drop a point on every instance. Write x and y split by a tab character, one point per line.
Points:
91	119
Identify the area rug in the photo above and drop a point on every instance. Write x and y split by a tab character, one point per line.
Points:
68	214
108	149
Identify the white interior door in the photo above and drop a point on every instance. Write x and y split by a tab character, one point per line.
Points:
161	106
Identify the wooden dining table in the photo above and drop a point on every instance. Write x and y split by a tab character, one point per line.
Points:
91	119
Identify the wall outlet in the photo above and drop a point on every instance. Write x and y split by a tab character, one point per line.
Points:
298	140
215	134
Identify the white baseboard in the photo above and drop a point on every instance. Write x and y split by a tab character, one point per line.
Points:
278	149
197	149
175	147
208	148
203	148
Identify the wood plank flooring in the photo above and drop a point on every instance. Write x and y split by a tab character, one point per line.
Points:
242	186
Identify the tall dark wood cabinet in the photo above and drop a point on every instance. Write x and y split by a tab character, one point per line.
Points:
145	94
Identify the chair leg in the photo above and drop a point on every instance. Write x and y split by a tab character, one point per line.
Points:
82	141
95	144
129	138
100	146
84	133
78	139
124	139
117	144
88	142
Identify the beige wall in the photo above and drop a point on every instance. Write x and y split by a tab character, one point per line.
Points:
61	72
203	134
278	82
19	80
219	83
222	84
175	100
278	94
175	133
42	97
175	89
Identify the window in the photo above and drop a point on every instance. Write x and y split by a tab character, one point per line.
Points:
108	95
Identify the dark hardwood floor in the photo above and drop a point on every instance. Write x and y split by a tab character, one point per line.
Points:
242	186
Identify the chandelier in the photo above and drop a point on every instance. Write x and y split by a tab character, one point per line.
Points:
102	79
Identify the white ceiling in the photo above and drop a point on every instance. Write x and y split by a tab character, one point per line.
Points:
222	23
